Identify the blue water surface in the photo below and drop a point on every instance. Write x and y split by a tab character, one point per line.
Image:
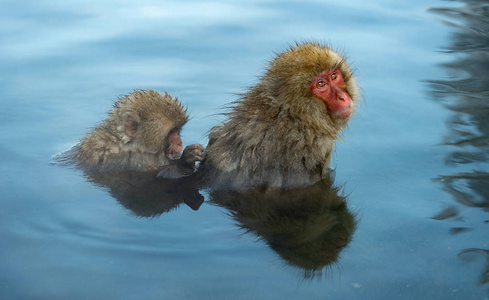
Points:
412	167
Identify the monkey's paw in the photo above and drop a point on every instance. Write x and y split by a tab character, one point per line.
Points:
191	154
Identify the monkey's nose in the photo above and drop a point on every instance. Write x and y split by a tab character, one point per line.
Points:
342	96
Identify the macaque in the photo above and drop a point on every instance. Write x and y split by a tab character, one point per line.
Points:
282	131
141	133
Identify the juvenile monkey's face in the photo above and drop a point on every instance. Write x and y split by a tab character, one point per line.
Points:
174	146
153	135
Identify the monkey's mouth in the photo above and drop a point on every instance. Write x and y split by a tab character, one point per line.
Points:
174	155
343	114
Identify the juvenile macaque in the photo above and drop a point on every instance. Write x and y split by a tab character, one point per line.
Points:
282	131
141	133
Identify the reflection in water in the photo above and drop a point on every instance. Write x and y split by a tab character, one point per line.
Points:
145	195
447	213
308	227
470	189
474	254
467	96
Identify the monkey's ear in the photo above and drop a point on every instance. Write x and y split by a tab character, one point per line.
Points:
132	125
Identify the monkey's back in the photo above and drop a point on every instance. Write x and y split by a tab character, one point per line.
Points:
263	144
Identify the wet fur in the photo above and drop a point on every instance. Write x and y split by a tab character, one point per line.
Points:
151	115
279	134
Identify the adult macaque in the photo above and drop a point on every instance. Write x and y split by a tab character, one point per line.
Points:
282	131
142	133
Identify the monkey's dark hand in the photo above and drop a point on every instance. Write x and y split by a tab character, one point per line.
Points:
191	154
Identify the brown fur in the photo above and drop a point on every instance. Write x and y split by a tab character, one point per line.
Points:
133	137
279	134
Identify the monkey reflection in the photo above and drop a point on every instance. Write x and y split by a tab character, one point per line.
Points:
143	194
308	227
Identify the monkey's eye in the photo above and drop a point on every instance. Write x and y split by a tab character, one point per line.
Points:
334	76
320	84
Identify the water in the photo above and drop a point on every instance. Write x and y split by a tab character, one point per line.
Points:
413	167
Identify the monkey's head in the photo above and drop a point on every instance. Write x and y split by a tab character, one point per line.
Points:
312	75
151	122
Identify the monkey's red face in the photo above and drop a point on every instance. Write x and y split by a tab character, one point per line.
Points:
329	86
